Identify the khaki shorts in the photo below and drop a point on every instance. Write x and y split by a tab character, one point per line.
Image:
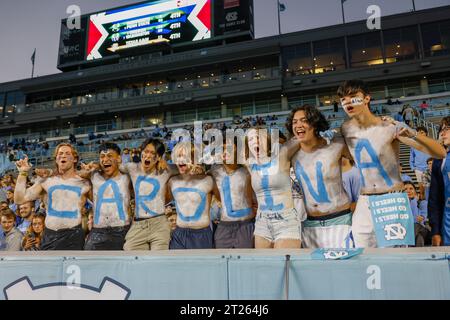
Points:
148	234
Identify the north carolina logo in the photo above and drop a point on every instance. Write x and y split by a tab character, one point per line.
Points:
394	231
335	254
23	289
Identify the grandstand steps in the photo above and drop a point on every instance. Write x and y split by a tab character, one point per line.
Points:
404	160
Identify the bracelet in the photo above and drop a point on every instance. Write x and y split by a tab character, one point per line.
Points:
415	136
23	173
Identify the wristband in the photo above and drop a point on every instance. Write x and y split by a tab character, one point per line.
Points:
23	173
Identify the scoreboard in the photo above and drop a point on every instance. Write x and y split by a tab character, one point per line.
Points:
153	22
113	32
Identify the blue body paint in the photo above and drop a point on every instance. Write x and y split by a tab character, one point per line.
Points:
229	202
117	199
198	211
62	214
140	199
268	198
365	144
321	195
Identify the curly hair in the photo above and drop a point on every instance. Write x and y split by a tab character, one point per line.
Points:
314	117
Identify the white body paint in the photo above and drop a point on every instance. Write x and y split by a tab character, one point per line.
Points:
239	184
157	204
381	138
329	156
109	212
64	200
187	203
278	186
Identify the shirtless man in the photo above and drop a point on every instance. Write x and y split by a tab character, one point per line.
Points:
150	229
192	191
317	167
277	222
65	194
236	226
374	144
111	198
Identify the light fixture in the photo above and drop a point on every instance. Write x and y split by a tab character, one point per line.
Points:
364	51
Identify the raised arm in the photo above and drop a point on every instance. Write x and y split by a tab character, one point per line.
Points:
422	143
21	193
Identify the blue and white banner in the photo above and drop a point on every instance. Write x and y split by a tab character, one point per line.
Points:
392	219
335	254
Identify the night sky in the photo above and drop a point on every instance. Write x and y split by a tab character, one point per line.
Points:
29	24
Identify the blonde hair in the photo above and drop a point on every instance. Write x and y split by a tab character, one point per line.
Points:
74	152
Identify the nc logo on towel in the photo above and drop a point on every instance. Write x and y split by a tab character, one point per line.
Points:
394	231
23	289
335	254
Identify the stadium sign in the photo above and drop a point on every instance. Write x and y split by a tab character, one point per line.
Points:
145	25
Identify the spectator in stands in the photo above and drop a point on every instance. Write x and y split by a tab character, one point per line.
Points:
271	181
191	233
33	235
418	161
351	178
398	117
419	211
439	204
408	115
171	214
374	143
12	235
65	194
111	200
426	179
126	156
423	107
317	167
150	229
26	212
135	156
72	139
237	212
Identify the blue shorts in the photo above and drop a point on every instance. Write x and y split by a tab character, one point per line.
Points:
186	238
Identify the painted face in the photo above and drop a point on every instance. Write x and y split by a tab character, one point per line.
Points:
149	157
38	225
26	209
7	224
444	135
302	130
109	162
256	144
354	104
410	191
65	159
183	160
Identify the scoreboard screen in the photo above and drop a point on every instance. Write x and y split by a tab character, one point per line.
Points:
152	22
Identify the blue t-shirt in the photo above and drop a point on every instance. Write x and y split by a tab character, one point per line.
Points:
352	183
418	160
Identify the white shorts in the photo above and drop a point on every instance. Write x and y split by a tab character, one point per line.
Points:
278	225
362	225
419	176
331	231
